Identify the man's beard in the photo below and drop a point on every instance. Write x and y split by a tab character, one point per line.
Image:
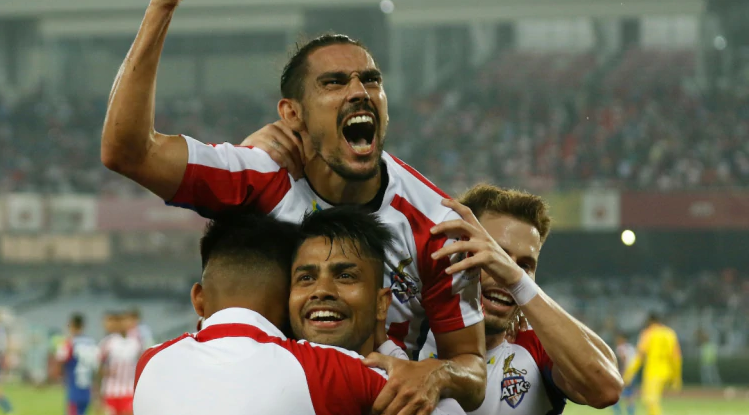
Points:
336	163
494	325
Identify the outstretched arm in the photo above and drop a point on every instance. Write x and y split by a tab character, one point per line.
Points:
129	144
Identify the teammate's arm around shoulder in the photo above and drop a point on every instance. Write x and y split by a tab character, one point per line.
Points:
130	145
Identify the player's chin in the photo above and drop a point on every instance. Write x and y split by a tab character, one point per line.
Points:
496	325
327	338
359	168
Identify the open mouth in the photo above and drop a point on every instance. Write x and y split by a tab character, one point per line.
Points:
499	298
359	131
325	318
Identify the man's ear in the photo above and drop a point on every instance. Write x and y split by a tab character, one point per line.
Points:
384	297
196	295
290	111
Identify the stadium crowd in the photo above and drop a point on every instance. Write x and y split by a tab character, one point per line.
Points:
563	131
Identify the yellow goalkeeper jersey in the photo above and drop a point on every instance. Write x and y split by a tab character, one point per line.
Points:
659	350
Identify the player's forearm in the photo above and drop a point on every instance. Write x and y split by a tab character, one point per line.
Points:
464	379
128	127
583	359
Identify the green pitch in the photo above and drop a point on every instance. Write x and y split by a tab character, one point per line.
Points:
678	406
50	401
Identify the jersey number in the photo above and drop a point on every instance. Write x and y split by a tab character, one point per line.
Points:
87	357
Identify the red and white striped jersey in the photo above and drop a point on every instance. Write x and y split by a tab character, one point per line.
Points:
519	380
221	177
239	363
119	357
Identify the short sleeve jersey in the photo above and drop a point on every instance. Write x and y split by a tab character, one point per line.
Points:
225	177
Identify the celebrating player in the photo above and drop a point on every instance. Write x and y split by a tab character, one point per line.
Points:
659	347
240	362
79	356
119	357
560	357
333	98
625	353
337	297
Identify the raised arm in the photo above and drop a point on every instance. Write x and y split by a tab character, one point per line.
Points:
129	144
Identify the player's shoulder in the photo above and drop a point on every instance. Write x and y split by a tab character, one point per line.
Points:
343	356
527	338
415	192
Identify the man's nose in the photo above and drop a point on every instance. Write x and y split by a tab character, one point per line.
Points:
357	91
324	290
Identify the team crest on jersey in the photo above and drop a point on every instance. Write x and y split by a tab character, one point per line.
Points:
514	385
403	284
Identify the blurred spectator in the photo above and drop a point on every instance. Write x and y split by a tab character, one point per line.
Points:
539	122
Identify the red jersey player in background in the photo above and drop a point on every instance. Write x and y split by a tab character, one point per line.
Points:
559	357
333	98
119	356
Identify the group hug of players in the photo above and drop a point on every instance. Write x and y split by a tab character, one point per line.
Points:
324	249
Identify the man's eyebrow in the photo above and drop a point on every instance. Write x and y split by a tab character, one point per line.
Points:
307	268
371	73
367	73
337	267
333	75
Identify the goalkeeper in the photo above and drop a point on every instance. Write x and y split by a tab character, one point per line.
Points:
659	354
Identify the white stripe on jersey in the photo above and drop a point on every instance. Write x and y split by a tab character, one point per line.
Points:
229	157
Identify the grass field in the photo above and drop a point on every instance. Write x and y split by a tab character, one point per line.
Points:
49	401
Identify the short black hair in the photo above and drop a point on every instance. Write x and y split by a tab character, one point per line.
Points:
249	237
292	77
77	321
350	223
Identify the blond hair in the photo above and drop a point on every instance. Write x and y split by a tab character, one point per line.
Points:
519	204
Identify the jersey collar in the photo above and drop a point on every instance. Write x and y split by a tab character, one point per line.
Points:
236	315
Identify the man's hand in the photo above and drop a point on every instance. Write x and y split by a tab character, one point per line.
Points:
486	253
413	388
283	146
519	324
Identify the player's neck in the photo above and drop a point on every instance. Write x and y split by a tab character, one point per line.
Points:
367	347
494	340
337	190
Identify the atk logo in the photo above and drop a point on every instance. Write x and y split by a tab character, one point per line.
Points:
403	285
514	385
